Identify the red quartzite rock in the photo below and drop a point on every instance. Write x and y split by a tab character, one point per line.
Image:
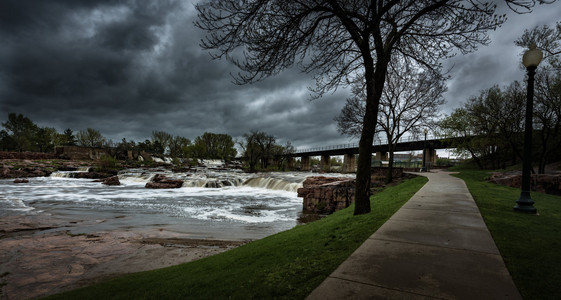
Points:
113	180
19	180
325	195
162	182
543	183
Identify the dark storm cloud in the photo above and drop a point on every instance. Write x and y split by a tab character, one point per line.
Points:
500	62
129	67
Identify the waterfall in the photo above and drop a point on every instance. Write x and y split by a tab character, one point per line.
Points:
213	182
273	184
136	176
206	178
67	174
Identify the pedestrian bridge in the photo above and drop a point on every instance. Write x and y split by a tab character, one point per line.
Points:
380	149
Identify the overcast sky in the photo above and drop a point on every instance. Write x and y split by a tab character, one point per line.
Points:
127	68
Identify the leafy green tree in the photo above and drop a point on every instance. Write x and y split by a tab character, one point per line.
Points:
146	146
251	151
7	143
176	146
161	141
260	148
22	131
491	125
459	125
46	139
215	146
90	138
68	138
280	152
121	149
335	161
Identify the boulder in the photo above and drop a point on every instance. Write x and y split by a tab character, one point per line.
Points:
92	175
113	180
162	182
20	180
325	195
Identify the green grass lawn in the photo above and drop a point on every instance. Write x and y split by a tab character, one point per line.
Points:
530	244
287	265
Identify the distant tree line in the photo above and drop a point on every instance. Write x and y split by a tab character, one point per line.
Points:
21	134
492	124
259	148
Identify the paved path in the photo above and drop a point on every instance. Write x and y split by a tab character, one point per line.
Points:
435	247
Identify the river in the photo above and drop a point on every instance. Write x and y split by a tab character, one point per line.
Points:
212	204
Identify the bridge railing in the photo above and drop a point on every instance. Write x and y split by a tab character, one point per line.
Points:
332	147
377	142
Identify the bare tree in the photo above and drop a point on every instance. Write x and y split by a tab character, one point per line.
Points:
548	118
409	102
547	113
548	39
258	148
337	40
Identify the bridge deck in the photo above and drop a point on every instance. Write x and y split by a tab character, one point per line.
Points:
432	143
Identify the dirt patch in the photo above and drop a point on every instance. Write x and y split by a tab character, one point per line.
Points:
39	257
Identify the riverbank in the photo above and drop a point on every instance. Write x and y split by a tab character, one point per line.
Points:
40	256
287	265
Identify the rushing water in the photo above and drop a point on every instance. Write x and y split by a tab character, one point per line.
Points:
211	204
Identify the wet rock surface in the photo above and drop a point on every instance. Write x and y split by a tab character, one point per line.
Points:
543	183
325	195
113	180
26	168
162	182
40	255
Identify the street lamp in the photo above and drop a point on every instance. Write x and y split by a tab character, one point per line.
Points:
531	60
424	167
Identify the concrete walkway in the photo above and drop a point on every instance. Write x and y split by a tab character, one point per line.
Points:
435	247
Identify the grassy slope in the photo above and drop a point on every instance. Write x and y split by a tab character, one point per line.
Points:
287	265
530	245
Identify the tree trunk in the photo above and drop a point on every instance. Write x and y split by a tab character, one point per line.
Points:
374	86
389	176
476	159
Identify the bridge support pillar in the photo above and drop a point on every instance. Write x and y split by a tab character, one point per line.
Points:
325	163
430	157
349	163
290	163
305	163
381	155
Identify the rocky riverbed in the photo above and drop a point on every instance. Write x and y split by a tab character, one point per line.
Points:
25	168
39	256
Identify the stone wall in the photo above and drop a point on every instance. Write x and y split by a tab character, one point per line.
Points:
325	195
80	153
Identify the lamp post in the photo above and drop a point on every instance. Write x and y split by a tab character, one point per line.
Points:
424	167
531	60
